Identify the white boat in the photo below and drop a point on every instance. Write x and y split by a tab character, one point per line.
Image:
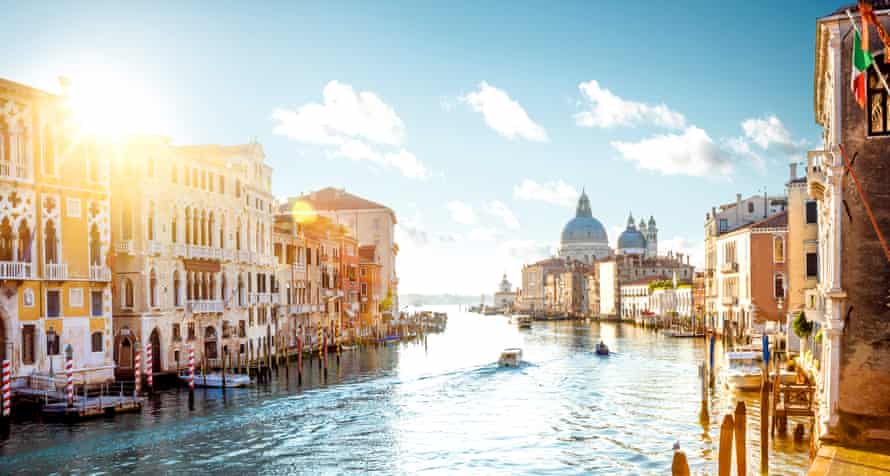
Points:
523	322
510	358
215	380
742	370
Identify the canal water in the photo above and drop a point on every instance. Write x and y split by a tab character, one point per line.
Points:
439	406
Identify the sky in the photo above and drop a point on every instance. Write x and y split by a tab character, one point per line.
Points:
478	123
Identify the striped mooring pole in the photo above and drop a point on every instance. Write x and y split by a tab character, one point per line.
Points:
69	374
149	367
7	389
137	371
191	377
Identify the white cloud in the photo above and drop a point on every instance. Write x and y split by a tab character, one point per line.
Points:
741	149
483	234
528	251
694	249
555	192
353	125
608	110
461	212
503	114
766	131
690	153
499	209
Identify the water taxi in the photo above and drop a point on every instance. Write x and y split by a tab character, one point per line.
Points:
523	322
510	358
742	370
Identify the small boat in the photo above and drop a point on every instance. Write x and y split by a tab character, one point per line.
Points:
742	371
510	358
523	322
348	347
602	349
215	380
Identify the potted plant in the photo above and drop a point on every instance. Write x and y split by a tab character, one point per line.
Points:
802	329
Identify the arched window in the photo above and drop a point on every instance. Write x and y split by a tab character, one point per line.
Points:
878	101
210	229
222	231
188	228
189	276
127	293
225	287
153	289
6	240
95	246
238	236
779	285
177	296
24	242
50	244
127	220
96	339
150	225
174	174
778	249
4	147
173	229
240	291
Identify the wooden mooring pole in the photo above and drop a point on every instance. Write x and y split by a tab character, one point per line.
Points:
724	458
764	425
741	421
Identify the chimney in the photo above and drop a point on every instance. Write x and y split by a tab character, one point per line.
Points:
793	167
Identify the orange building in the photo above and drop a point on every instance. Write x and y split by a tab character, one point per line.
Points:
369	276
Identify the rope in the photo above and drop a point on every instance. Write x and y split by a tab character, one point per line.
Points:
871	215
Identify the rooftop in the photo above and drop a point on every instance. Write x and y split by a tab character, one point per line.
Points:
333	199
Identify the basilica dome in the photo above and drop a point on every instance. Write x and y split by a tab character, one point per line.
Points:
632	240
584	237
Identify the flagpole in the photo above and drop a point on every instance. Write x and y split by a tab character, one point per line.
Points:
873	65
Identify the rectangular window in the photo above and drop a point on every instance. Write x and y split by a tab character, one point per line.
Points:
52	342
780	286
191	328
222	184
722	225
177	333
877	103
73	207
778	249
96	342
812	212
53	303
364	289
96	303
28	333
75	297
812	265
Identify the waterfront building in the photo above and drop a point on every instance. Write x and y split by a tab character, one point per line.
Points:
584	237
193	263
371	224
853	269
751	276
54	238
592	288
802	253
369	278
534	279
292	276
609	291
698	294
634	297
505	296
671	299
724	219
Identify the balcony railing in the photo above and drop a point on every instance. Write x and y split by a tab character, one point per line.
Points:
100	273
15	270
124	246
729	300
55	271
732	267
12	170
155	247
206	305
200	252
180	250
228	255
244	256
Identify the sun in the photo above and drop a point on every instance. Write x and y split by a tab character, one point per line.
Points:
303	212
111	106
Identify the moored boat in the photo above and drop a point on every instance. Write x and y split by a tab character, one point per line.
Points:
742	370
215	380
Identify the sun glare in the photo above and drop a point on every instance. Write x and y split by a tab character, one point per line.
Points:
111	106
303	212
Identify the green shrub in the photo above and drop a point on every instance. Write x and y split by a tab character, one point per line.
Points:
801	326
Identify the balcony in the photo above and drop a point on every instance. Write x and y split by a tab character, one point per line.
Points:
228	255
155	247
199	252
100	273
732	267
55	271
15	270
124	247
729	300
244	256
12	170
817	163
206	305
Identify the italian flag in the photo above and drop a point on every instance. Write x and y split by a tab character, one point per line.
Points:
861	61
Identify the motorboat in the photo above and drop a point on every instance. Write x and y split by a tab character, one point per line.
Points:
510	358
523	322
743	370
602	349
215	380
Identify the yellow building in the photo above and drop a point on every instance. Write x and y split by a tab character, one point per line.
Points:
803	248
54	239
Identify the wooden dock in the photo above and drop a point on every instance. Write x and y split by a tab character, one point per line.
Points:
92	407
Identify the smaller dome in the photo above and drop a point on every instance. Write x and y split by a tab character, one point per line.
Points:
631	239
651	221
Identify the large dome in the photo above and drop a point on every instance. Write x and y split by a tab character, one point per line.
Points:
584	230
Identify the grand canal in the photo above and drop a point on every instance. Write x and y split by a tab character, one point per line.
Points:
441	406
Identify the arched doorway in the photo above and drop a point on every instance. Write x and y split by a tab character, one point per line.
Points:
210	342
125	353
155	340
